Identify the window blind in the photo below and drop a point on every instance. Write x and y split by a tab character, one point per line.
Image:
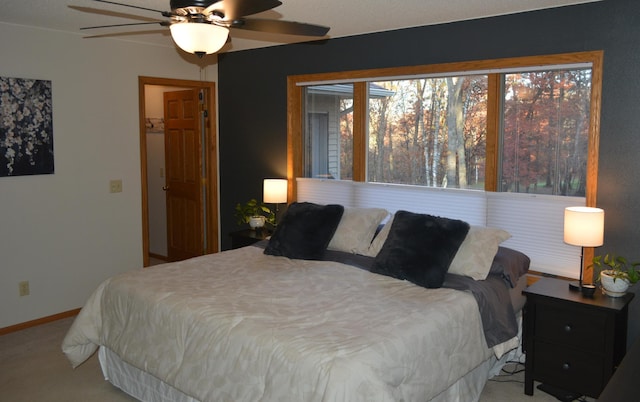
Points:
468	206
536	224
534	221
325	191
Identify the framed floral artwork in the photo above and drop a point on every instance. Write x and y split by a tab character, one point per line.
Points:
26	127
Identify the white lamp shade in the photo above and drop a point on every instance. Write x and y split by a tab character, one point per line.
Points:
198	37
584	226
274	191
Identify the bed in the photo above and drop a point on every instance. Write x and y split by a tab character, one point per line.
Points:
320	312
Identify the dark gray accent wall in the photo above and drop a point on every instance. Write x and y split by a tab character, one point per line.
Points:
253	109
252	93
253	105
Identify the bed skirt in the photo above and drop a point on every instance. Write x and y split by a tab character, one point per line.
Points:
145	387
137	383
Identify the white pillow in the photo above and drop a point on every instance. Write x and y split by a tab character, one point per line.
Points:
379	240
356	229
476	253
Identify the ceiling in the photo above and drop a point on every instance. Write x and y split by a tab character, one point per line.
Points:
345	17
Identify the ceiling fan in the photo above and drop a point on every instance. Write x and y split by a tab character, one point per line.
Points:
202	26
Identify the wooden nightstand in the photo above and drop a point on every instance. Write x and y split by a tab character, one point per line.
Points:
247	237
572	342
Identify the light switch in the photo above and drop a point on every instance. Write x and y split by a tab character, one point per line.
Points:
115	186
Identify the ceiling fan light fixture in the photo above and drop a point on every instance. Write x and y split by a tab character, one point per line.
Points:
199	38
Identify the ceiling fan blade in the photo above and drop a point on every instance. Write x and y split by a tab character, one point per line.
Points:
164	13
234	9
119	34
163	23
111	13
280	27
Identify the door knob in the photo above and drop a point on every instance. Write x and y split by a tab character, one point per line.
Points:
165	188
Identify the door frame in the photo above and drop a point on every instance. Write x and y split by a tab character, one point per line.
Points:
211	159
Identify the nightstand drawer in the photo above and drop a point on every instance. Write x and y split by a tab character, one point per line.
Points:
579	329
568	368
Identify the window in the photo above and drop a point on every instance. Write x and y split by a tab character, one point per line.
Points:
328	136
526	130
513	125
428	131
545	132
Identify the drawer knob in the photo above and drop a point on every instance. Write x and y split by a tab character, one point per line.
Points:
566	366
567	328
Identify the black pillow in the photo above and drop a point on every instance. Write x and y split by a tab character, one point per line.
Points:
420	248
305	231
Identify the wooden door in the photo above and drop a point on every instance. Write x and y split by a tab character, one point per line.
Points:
183	175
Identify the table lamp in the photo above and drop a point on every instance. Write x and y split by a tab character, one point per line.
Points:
584	227
274	191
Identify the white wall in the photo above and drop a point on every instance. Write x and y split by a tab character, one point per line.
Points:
65	233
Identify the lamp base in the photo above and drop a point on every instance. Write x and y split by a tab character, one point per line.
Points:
586	290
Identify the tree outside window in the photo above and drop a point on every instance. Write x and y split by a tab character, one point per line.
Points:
434	131
545	132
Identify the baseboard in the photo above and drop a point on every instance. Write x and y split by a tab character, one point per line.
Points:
39	321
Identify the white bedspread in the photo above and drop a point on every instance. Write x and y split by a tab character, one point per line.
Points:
244	326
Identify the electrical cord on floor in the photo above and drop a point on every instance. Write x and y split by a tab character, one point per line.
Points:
518	368
515	370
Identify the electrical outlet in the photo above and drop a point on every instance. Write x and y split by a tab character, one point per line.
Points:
115	186
23	288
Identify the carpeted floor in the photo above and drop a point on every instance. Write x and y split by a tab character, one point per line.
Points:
33	368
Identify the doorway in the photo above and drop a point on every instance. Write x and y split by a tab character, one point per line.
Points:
153	173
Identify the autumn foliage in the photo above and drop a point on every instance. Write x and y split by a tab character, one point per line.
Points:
433	131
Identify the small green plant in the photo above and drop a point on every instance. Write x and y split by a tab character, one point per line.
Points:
244	212
617	267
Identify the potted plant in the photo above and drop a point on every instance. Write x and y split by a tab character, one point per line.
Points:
616	274
254	213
